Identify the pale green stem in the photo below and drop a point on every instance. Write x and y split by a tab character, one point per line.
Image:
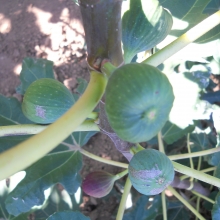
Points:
94	157
195	154
93	115
203	197
204	171
26	129
24	154
196	174
124	199
197	206
120	175
108	68
164	205
181	199
208	169
189	150
103	160
198	199
160	142
136	149
214	173
187	38
194	197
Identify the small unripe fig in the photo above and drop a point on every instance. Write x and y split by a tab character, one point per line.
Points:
138	100
98	184
150	171
46	100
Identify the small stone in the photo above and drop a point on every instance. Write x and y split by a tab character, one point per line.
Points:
70	83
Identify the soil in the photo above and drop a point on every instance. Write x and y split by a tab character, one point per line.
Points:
53	30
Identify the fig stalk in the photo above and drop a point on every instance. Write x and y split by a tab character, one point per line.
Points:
124	199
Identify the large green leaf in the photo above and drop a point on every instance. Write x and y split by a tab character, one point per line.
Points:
216	208
144	25
143	210
58	201
176	211
68	215
10	112
202	141
61	168
192	12
171	132
33	69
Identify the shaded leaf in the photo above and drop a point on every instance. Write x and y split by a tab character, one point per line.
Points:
82	85
202	141
33	69
10	112
144	25
83	137
216	208
8	142
171	132
68	215
207	205
191	12
176	211
199	74
144	210
212	7
211	97
60	168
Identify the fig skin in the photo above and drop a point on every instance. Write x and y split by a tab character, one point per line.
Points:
138	100
45	100
150	171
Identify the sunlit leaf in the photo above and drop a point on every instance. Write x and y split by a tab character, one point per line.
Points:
192	12
171	132
144	210
60	168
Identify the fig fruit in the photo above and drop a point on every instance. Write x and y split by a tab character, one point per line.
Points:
138	100
45	100
150	171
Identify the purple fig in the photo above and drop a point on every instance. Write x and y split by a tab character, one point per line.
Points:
98	184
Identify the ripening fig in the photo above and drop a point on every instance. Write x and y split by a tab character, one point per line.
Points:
138	100
98	184
45	100
150	171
